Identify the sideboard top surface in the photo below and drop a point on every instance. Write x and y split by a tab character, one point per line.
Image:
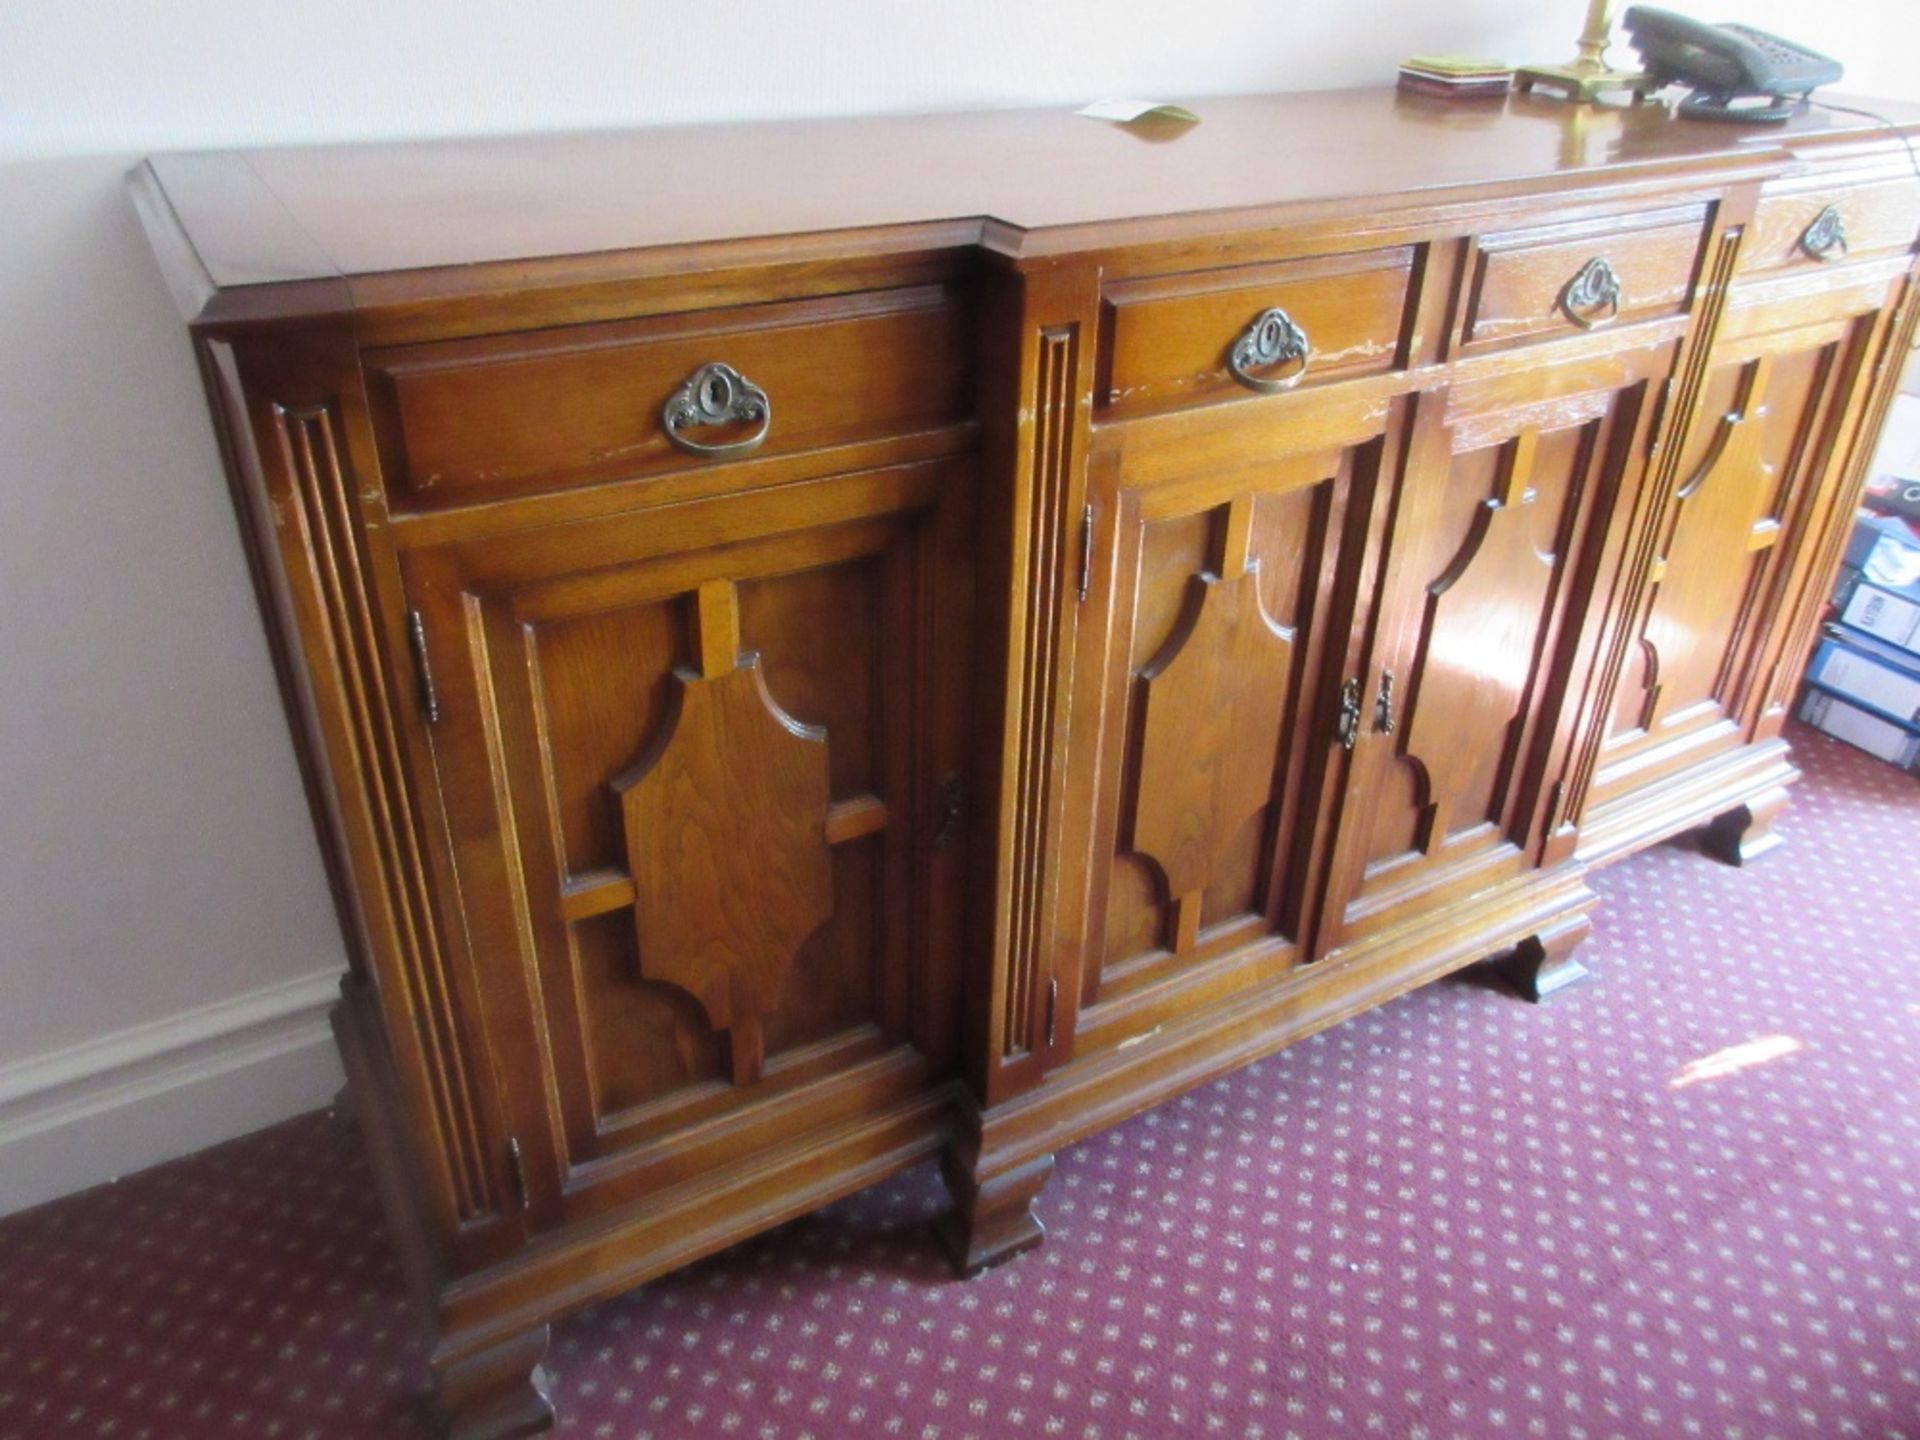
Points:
296	214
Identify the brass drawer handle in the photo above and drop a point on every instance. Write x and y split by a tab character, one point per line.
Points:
1826	238
1592	297
717	394
1272	338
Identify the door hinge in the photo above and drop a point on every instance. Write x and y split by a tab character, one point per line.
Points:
1347	728
1086	551
1556	797
1654	437
422	667
517	1171
1768	694
1053	1008
952	812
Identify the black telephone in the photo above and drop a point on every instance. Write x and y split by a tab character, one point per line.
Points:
1737	73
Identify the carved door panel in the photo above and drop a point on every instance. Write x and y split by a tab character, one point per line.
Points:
1755	479
1198	740
1508	518
700	769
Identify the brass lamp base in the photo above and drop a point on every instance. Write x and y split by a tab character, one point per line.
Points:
1587	76
1579	81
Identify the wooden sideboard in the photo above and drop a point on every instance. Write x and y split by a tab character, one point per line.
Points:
817	644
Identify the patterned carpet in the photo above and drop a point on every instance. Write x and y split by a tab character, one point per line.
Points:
1682	1201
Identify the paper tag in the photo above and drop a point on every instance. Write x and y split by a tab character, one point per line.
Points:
1126	111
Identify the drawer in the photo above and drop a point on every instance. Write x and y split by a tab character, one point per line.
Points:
469	420
1180	339
1549	281
1811	227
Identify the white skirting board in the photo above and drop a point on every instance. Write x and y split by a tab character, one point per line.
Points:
106	1108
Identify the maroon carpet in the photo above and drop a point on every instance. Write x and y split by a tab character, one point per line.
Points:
1683	1201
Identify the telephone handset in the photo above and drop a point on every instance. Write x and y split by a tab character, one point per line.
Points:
1725	64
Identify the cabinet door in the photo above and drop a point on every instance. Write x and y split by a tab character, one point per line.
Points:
699	767
1220	574
1756	481
1510	512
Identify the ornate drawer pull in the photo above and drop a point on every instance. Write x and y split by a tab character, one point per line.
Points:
1592	297
1272	338
1826	238
717	394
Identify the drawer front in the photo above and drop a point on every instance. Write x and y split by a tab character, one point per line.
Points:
1809	228
1550	281
1176	340
465	421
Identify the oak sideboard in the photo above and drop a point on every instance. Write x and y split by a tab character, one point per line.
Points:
813	645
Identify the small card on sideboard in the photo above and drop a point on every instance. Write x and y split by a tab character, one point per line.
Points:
1125	112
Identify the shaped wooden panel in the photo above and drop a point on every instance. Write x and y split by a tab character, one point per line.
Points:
696	797
1216	596
1701	577
726	832
1208	748
1478	644
1756	451
1742	556
1483	608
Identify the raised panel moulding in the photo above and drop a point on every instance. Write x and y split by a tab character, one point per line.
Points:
726	827
1214	706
